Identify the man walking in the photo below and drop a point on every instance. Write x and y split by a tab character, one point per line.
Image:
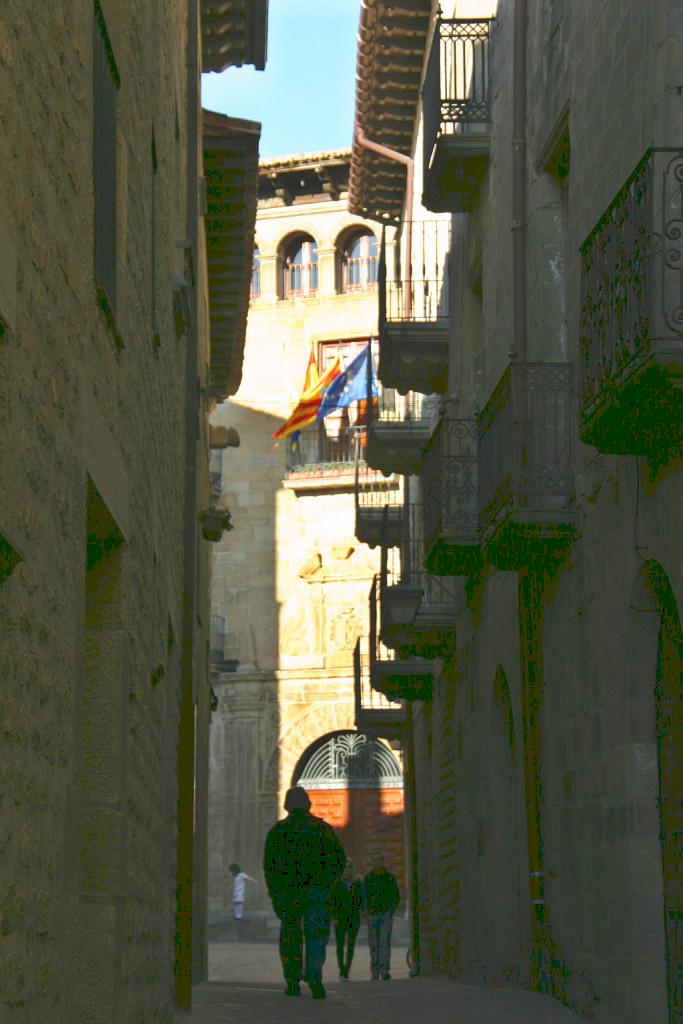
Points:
302	860
381	899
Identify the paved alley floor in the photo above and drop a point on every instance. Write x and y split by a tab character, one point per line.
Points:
246	987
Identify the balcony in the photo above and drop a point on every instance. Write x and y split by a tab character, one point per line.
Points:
417	609
456	105
375	715
450	496
526	482
632	315
216	473
397	677
414	311
373	494
398	430
318	461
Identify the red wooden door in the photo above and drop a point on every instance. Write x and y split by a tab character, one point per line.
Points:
366	820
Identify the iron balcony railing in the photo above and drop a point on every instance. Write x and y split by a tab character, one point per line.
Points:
372	708
450	495
373	493
632	275
415	288
316	451
406	563
398	677
418	607
456	93
525	447
217	648
216	472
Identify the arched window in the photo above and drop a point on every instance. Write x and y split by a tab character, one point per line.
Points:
300	267
359	262
350	760
255	289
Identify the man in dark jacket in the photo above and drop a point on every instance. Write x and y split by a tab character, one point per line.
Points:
302	861
381	899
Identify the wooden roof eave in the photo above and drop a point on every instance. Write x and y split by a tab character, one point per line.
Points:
391	44
233	33
231	172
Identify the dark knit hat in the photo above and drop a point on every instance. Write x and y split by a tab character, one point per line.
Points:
297	799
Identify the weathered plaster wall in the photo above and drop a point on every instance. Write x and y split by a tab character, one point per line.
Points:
89	687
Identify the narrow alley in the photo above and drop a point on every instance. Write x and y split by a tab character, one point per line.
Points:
341	512
245	984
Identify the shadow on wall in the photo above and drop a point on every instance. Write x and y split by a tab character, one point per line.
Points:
244	651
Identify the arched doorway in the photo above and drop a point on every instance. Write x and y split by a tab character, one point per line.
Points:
655	670
355	783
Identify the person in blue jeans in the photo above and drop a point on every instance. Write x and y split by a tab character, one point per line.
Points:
381	898
347	898
302	860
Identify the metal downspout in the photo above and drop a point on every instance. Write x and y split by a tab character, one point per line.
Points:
531	595
519	183
186	727
393	154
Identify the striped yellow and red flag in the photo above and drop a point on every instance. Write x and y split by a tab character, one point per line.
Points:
314	388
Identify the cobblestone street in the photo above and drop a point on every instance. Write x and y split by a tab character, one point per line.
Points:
246	986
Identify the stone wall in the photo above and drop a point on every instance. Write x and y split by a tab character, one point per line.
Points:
92	439
606	78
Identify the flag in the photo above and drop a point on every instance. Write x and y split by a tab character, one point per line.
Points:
306	411
312	377
349	386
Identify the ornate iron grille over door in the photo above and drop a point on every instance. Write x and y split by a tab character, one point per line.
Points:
351	761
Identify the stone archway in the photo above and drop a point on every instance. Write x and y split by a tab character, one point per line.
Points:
356	784
319	719
654	734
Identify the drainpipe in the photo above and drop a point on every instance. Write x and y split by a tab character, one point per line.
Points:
519	184
531	595
393	154
414	873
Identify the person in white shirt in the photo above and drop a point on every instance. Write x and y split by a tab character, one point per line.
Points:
239	886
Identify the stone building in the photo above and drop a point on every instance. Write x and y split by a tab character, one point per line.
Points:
543	762
290	581
122	315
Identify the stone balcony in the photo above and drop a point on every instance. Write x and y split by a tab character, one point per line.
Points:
416	608
376	716
525	465
414	310
456	104
397	433
450	497
631	333
391	674
378	507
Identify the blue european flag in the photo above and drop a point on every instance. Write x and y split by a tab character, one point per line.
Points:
350	386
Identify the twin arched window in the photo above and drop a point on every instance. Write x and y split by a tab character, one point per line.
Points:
359	262
298	265
255	289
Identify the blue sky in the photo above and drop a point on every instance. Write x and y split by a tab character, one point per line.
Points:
305	97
